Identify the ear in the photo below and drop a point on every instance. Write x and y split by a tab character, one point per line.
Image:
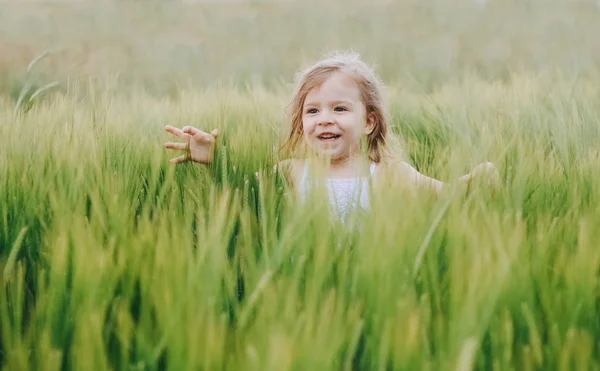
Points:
371	122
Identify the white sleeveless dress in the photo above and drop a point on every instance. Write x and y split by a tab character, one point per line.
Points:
345	194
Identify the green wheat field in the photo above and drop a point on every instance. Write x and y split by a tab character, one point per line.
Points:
111	258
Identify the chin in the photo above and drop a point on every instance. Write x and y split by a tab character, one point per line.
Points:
333	152
331	155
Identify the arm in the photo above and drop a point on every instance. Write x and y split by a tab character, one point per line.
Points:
415	178
421	180
200	147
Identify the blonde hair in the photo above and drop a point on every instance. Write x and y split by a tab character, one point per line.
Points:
370	93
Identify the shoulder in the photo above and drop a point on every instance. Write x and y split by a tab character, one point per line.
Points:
291	168
405	169
290	165
395	170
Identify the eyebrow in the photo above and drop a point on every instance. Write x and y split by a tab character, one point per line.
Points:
310	103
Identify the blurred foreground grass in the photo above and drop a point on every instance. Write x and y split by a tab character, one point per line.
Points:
111	258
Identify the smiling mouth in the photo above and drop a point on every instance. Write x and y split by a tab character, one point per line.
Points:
328	137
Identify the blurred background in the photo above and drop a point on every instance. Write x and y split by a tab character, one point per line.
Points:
163	45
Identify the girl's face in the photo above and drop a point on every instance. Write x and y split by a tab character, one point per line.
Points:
334	118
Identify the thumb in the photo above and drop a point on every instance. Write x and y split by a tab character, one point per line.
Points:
215	133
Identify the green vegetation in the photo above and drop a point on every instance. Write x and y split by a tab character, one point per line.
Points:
111	258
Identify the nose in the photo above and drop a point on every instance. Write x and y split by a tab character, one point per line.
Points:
325	118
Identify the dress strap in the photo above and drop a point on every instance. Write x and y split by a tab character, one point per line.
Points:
372	168
304	172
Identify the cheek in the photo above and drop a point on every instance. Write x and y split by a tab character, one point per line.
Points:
355	125
308	126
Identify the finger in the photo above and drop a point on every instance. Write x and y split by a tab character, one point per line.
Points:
175	131
176	145
214	133
192	130
179	159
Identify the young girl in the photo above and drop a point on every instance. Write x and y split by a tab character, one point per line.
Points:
338	116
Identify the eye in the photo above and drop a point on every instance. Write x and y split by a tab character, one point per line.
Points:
311	110
341	109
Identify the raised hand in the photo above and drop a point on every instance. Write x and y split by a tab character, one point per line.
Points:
198	146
